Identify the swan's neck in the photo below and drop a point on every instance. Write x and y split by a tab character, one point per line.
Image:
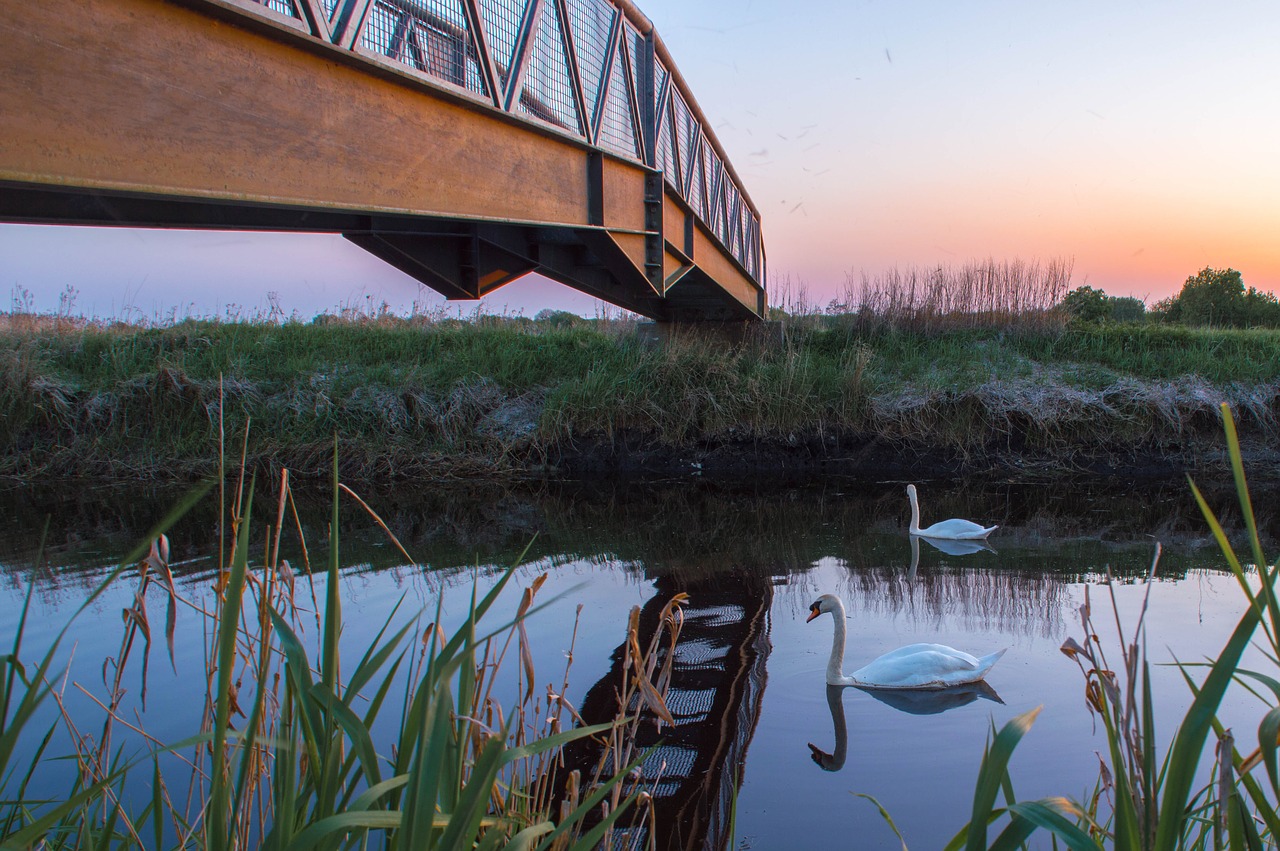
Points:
834	674
915	514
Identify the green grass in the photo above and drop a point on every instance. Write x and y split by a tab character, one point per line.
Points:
493	397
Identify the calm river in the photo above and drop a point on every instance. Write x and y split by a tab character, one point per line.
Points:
749	688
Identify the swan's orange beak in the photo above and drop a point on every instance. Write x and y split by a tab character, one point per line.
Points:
813	613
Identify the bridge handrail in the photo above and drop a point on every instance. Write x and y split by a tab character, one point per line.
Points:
751	242
592	69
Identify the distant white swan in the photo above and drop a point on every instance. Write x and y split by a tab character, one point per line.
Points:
916	666
953	530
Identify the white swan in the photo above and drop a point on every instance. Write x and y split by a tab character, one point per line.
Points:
953	530
913	666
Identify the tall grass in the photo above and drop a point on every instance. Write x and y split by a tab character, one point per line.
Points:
983	294
288	754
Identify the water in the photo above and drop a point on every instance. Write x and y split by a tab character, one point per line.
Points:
750	692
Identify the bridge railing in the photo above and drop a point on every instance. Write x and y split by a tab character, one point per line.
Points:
593	69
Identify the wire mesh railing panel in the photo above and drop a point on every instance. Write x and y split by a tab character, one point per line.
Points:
684	124
660	77
431	36
502	29
384	31
698	179
439	54
666	156
548	90
735	224
635	47
715	210
590	22
618	131
284	7
710	180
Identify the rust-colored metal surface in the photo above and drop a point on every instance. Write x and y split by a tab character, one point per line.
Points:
453	149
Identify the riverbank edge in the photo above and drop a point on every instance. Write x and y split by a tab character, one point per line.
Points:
794	458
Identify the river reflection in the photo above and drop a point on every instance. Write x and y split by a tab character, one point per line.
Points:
747	679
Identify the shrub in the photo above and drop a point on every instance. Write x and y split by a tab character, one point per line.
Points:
1087	304
1217	297
1126	309
1211	297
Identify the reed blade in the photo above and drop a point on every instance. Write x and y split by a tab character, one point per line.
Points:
995	765
217	834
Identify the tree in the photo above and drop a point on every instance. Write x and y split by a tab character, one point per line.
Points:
1086	304
1261	309
1212	297
1126	308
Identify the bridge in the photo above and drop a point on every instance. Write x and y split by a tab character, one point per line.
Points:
465	142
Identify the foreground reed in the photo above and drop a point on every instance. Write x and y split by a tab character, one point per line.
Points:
292	753
1146	800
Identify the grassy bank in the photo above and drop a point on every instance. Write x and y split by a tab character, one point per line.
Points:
503	396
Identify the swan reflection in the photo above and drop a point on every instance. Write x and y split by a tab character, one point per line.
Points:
833	761
910	702
951	547
936	701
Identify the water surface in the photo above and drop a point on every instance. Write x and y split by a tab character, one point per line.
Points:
756	715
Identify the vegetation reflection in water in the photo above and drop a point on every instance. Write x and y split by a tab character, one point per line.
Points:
732	550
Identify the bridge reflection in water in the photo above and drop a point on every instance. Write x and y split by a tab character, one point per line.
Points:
717	685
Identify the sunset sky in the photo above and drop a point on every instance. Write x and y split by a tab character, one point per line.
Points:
1139	139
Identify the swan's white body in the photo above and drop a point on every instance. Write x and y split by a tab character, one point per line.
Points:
916	666
952	530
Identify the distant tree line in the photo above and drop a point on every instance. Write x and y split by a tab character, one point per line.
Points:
1211	297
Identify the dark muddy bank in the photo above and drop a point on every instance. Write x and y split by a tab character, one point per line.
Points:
792	459
506	444
799	458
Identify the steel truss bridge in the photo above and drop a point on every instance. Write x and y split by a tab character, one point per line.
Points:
466	142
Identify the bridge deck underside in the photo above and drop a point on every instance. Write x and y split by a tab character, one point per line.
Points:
151	113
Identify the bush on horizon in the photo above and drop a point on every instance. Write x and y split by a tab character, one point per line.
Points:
1218	298
1086	304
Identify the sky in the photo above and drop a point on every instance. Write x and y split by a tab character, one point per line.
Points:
1138	140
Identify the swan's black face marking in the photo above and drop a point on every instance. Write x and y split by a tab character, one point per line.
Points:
814	611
